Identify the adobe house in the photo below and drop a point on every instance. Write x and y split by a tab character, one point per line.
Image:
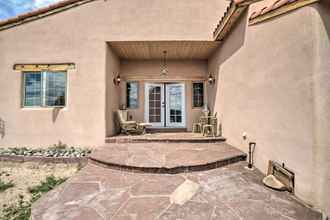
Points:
268	64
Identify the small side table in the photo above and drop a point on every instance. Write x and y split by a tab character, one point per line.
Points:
197	128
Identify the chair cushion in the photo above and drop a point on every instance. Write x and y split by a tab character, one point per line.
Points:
129	122
145	124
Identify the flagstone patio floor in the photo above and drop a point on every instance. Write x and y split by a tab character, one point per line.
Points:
226	193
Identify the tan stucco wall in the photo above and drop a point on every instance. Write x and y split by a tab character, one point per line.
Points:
267	86
79	35
321	13
112	98
82	121
181	71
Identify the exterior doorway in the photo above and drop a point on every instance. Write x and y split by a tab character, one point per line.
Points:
165	105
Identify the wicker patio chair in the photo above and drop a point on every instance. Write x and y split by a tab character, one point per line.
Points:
211	128
198	126
214	123
130	127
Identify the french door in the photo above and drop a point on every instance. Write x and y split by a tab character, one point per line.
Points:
154	104
165	104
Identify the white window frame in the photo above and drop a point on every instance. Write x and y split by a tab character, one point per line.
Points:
138	94
43	89
192	94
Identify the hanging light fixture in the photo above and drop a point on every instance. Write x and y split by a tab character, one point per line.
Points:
164	70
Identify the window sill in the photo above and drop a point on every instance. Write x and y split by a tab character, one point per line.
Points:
43	108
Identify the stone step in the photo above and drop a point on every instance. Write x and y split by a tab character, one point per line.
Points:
166	130
172	170
172	139
166	158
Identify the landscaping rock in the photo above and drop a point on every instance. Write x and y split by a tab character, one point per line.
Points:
54	151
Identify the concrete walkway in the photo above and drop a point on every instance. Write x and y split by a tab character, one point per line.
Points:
226	193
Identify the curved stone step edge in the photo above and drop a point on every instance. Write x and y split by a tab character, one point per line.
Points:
172	170
124	140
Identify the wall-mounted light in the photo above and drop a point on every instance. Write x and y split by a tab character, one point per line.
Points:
210	79
116	80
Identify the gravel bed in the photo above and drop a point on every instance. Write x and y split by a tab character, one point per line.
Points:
67	152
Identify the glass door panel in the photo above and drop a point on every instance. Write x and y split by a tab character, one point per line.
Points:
175	105
154	109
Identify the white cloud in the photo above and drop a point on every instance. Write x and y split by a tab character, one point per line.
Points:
42	3
10	8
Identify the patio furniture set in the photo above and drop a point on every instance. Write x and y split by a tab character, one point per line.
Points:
207	124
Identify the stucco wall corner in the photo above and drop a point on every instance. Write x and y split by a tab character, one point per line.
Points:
320	14
112	96
266	88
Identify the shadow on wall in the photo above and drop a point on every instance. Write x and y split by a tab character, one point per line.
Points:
2	128
325	8
112	91
232	43
323	151
56	112
116	122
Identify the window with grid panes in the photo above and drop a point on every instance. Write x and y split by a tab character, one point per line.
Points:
132	91
44	89
198	94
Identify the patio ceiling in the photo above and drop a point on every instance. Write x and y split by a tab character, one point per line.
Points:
154	49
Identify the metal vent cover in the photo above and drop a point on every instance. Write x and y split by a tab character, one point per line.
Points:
283	174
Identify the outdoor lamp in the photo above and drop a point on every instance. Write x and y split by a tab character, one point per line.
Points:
116	80
211	79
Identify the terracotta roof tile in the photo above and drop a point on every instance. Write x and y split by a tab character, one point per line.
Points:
239	1
244	2
268	6
22	18
231	15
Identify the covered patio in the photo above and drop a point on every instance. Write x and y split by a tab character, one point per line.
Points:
163	83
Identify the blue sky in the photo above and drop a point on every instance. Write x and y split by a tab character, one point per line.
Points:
11	8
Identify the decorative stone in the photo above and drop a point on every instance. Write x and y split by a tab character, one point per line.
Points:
272	182
46	152
184	192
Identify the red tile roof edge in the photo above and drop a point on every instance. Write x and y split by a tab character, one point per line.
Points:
224	25
37	14
244	2
268	8
277	4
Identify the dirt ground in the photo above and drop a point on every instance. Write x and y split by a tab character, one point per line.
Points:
28	174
